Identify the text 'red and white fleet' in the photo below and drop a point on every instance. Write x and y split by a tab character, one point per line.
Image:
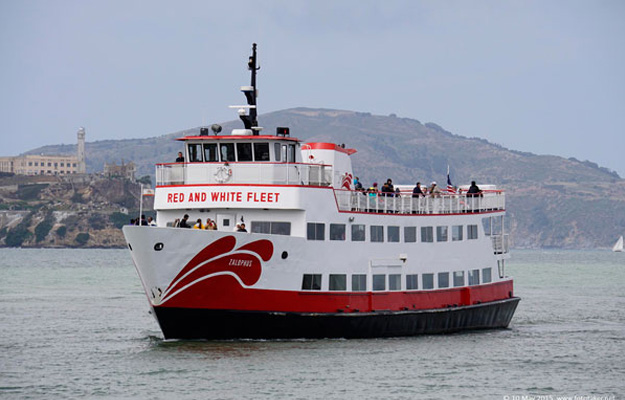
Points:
320	259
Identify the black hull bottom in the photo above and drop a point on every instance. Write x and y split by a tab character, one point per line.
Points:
188	323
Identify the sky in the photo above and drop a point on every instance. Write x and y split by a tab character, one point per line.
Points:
544	76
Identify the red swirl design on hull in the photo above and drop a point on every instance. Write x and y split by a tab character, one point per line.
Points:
213	260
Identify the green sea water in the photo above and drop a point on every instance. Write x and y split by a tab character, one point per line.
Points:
75	324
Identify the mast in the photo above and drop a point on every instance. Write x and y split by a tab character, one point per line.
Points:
250	120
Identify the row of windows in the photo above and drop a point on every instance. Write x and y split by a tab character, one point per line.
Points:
393	282
241	152
30	164
49	172
316	231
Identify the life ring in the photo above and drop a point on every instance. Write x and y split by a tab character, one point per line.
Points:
223	174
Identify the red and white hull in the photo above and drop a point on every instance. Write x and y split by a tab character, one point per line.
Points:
217	285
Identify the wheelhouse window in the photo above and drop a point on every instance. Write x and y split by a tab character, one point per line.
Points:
277	152
210	152
474	277
443	279
311	282
338	282
261	151
427	234
337	231
291	153
393	233
394	282
377	233
441	233
226	152
428	281
315	231
379	282
358	233
412	282
195	152
359	282
244	152
458	278
410	234
456	233
471	231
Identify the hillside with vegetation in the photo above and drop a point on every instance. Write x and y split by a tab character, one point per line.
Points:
85	211
552	201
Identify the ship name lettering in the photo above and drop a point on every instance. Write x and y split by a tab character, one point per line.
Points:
240	263
262	197
197	197
175	197
226	196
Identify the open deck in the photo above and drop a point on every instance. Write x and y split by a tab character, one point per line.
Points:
447	203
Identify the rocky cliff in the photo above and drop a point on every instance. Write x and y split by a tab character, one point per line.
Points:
78	211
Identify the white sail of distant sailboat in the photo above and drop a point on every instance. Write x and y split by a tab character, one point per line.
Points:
618	246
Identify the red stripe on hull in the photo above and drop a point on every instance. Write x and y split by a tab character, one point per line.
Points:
225	293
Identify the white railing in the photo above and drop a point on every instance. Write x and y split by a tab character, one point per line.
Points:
349	200
243	173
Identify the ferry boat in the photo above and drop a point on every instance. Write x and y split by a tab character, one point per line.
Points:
320	259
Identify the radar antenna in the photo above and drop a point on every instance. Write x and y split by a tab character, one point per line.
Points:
250	120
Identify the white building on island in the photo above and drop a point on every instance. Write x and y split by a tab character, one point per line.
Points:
48	164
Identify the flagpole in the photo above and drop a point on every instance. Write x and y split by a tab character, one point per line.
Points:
140	204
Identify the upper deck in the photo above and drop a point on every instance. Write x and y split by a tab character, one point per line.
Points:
246	173
215	164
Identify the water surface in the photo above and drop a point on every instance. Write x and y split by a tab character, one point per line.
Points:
75	324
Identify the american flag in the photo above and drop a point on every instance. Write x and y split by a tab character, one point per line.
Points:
450	188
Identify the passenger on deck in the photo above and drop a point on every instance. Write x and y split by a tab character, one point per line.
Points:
241	228
183	222
357	184
474	190
417	192
386	190
198	224
143	221
434	190
180	158
151	221
373	190
389	182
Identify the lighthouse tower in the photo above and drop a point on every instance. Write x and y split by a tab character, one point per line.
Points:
82	167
